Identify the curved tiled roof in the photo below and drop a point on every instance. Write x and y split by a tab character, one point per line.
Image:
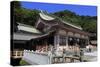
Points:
28	28
23	36
78	27
46	17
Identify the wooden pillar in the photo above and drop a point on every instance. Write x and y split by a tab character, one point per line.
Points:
56	41
46	46
88	41
67	42
16	53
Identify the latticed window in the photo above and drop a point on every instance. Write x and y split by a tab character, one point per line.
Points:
62	40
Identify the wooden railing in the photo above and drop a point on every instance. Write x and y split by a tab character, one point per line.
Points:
17	54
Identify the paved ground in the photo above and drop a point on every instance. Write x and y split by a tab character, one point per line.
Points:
91	53
91	56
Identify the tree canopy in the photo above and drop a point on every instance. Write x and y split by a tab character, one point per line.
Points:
88	23
23	15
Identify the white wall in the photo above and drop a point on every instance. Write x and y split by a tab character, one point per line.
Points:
35	58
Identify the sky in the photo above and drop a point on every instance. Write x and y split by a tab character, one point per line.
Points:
49	7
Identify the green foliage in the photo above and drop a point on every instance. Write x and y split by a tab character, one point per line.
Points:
26	16
22	62
23	15
88	23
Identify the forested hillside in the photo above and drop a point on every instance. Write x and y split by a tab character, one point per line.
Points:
88	23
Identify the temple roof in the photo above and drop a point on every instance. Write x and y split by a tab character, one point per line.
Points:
28	28
48	17
78	27
20	36
24	36
27	32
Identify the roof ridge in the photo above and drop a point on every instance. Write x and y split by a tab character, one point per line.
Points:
46	16
66	21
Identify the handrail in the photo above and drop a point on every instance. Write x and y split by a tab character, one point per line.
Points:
17	54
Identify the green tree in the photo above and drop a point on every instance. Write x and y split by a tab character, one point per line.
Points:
88	23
